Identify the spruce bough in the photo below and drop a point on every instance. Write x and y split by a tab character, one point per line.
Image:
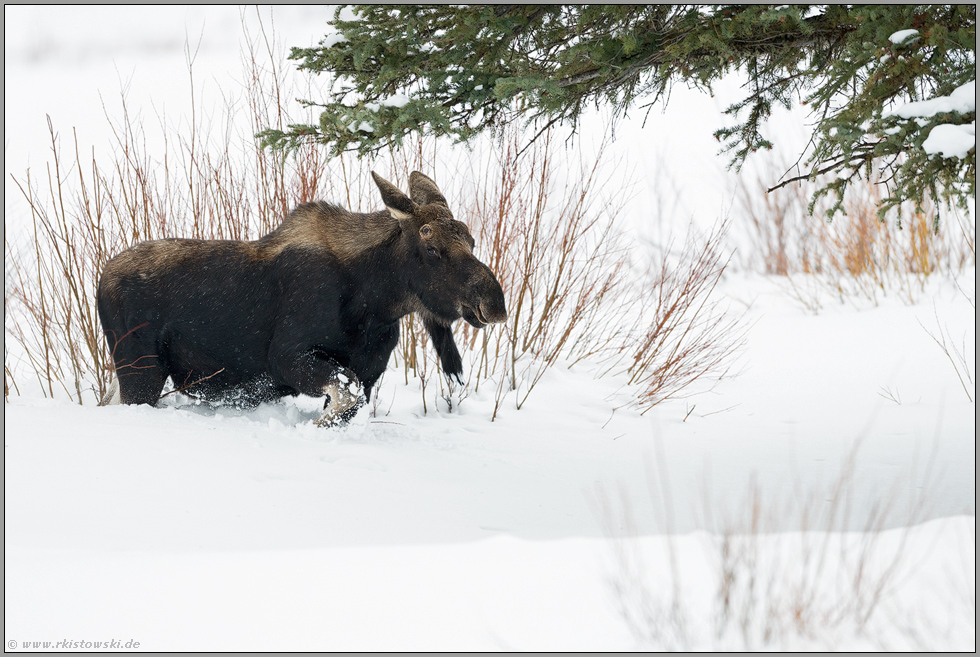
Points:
459	71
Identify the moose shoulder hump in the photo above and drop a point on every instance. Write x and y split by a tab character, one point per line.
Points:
345	234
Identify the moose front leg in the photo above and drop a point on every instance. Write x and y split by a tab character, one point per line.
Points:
445	346
345	396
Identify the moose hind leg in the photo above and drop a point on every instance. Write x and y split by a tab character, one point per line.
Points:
141	386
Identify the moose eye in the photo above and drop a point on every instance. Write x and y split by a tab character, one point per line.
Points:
432	252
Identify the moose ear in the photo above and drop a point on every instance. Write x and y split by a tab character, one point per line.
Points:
424	190
400	206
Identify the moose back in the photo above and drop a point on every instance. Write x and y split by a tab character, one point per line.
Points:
312	308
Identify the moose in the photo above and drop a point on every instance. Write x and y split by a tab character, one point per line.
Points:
312	308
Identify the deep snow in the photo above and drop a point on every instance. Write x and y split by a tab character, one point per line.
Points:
185	528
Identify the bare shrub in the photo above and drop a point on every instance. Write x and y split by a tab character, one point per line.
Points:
857	255
770	588
573	294
684	336
52	290
553	246
656	616
561	260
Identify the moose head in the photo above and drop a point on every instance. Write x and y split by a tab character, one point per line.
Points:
447	278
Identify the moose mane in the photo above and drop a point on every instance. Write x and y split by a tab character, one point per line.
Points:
319	224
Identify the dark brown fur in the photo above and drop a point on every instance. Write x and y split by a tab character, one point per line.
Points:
316	299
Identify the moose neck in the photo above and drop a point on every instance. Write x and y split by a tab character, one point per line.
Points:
385	271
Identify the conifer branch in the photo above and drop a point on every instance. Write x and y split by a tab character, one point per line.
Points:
470	69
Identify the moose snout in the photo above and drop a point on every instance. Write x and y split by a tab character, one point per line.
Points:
482	299
493	312
491	306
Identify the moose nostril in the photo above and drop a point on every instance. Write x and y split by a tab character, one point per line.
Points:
492	315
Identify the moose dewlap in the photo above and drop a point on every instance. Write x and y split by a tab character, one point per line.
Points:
312	308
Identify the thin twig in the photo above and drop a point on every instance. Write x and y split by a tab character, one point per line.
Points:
192	384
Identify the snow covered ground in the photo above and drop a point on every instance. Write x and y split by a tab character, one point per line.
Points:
827	491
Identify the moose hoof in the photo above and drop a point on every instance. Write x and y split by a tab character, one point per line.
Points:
344	399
